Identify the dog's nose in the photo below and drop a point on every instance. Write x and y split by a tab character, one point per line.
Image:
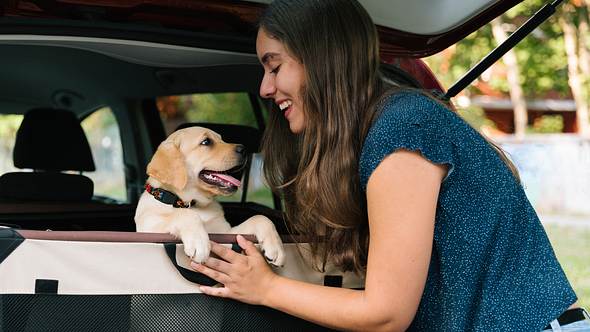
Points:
240	149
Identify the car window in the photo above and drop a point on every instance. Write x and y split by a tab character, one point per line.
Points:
229	108
9	124
102	132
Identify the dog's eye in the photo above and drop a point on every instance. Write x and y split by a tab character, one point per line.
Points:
206	141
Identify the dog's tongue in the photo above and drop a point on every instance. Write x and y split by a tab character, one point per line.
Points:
228	178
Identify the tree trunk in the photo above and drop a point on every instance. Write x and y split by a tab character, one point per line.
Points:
513	77
583	35
574	76
584	48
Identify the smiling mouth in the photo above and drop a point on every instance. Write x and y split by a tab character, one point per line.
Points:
224	180
286	107
286	104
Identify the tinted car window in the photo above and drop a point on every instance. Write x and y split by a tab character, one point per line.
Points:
102	132
9	124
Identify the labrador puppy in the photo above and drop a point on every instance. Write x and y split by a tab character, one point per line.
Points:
188	170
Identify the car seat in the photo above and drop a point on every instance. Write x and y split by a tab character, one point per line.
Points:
49	141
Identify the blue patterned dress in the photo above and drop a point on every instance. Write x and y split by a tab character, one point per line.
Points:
492	266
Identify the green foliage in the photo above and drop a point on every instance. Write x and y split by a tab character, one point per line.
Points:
261	195
102	132
9	125
470	51
547	124
541	55
572	248
542	62
231	108
476	117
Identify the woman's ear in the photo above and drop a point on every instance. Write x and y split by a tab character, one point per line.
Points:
168	165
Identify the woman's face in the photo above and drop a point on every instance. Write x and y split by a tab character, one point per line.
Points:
283	79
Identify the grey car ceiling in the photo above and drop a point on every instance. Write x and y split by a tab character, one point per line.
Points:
40	75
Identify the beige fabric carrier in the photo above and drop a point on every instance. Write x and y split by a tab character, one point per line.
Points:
121	272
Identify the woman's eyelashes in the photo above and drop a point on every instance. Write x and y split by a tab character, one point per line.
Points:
275	69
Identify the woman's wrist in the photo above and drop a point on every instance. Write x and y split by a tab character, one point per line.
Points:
270	289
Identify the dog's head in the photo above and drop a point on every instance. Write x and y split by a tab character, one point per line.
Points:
198	158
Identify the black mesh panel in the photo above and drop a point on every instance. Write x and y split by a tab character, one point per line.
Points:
169	312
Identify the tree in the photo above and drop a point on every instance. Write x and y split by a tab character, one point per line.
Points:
513	77
575	77
543	73
232	108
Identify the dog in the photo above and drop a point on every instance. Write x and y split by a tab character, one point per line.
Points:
187	171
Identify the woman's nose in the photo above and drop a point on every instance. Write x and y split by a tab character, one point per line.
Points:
267	87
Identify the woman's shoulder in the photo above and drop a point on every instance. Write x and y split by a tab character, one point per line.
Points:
407	97
409	120
410	106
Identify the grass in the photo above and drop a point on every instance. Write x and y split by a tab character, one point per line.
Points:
260	195
572	247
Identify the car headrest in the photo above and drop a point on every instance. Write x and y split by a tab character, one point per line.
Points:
53	140
248	136
45	186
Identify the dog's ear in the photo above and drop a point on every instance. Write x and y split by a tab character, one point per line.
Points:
168	165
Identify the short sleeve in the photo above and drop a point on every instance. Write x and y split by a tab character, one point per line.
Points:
410	121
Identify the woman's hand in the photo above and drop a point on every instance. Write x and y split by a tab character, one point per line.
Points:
245	278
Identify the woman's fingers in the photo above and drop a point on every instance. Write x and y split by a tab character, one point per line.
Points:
215	291
248	247
211	273
218	265
224	252
244	276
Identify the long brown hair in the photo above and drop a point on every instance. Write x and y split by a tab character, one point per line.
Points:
316	172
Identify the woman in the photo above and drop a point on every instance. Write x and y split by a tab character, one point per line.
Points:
396	185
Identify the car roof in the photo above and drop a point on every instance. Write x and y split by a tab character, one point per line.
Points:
182	46
414	28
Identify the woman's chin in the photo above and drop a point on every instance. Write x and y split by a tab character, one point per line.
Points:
295	128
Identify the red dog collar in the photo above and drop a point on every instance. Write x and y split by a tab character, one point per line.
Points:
168	197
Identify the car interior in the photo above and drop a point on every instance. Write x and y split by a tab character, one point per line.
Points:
60	82
122	60
88	58
57	86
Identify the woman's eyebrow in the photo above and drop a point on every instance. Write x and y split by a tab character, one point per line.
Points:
267	57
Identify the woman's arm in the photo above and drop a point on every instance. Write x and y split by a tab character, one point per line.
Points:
401	199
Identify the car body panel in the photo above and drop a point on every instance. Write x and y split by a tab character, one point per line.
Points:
418	28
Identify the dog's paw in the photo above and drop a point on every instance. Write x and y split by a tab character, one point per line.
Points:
268	238
274	253
272	245
197	247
